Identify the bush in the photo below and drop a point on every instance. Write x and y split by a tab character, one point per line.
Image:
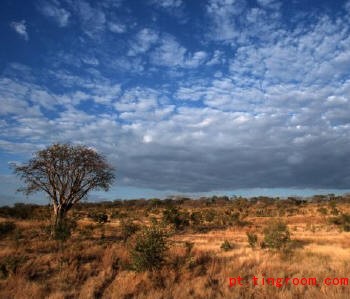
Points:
149	249
252	239
276	235
226	246
322	211
342	220
24	211
209	215
10	264
128	228
334	210
99	217
173	216
64	230
6	228
196	218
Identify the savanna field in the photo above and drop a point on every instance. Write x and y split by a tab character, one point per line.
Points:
179	248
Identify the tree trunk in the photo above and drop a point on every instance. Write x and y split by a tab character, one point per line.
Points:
58	220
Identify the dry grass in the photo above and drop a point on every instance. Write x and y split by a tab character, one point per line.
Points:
95	262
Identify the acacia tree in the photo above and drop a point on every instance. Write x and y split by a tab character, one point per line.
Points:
66	173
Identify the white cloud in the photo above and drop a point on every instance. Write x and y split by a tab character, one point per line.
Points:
90	60
170	53
143	41
347	6
224	15
270	4
168	3
21	29
217	58
235	22
196	59
105	93
92	19
174	8
52	9
110	4
116	27
13	99
143	104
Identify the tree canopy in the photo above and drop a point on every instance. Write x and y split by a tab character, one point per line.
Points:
66	173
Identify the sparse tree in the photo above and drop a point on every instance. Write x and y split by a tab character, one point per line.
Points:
66	173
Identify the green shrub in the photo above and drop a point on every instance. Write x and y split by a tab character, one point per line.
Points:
342	220
322	211
196	218
87	231
6	228
128	228
334	210
149	249
99	217
252	239
276	235
209	215
226	246
173	216
63	231
10	264
24	211
189	247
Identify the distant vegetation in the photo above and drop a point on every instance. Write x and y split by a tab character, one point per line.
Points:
173	248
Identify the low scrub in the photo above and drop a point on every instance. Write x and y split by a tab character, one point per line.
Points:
276	235
175	217
6	228
128	228
226	246
99	217
252	239
148	252
342	221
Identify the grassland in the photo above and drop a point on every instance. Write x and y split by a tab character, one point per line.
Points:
96	262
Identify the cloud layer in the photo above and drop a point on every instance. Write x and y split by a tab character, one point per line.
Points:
252	97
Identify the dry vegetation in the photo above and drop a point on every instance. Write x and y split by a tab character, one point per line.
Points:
206	244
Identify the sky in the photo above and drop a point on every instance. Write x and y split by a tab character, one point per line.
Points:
236	97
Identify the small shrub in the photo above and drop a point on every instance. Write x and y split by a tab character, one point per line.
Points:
154	220
276	235
63	231
173	216
149	250
10	264
209	215
128	228
99	217
199	264
87	231
252	239
195	218
24	211
335	212
189	247
322	211
237	219
226	246
6	228
342	220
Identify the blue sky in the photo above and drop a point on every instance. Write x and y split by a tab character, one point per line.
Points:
183	97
